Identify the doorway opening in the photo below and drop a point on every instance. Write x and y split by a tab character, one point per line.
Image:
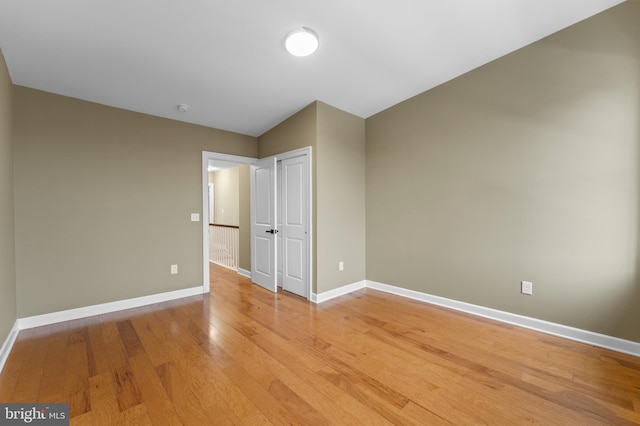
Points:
229	222
288	261
224	222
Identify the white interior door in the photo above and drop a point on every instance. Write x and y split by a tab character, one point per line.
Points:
263	223
294	228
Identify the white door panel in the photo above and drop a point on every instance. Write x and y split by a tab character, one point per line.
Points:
263	193
263	263
263	224
294	185
295	252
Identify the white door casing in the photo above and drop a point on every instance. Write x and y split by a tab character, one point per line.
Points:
263	223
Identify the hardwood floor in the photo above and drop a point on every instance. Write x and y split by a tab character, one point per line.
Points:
246	356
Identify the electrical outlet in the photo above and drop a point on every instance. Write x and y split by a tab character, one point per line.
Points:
195	217
341	266
174	269
527	287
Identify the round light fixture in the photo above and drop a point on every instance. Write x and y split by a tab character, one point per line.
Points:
301	42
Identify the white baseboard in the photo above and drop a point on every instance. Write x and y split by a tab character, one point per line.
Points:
244	272
341	291
8	344
567	332
104	308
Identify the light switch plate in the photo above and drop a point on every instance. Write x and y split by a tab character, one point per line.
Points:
195	217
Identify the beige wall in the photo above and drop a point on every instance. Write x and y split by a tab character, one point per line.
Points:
340	159
8	310
297	131
226	201
338	142
103	200
524	169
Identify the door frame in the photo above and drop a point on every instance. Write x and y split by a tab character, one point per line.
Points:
206	156
210	155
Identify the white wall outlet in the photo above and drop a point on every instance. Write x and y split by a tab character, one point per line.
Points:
527	287
195	217
174	269
341	266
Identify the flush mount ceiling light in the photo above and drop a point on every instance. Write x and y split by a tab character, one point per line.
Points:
302	41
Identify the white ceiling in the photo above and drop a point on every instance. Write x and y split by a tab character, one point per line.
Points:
226	58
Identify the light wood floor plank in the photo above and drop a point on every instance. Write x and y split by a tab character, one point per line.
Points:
160	408
104	401
243	355
54	369
27	385
136	416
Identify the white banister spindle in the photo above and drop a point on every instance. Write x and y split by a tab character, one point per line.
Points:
223	246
